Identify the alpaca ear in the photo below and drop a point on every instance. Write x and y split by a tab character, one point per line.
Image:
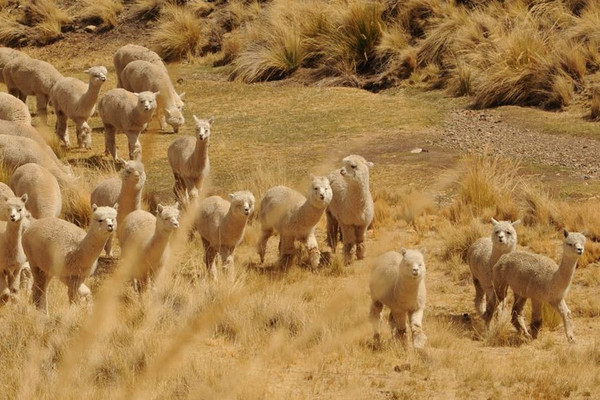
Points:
494	221
517	222
24	198
103	70
156	93
181	95
159	208
423	250
230	196
176	205
370	164
116	206
565	233
94	207
211	120
196	119
87	71
403	251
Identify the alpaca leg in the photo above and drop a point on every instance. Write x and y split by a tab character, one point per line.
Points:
42	107
416	326
516	317
359	234
375	318
134	144
73	284
565	313
26	278
210	255
332	230
226	254
479	300
61	128
84	134
39	289
313	250
398	325
536	317
14	280
262	243
286	251
162	120
109	141
108	245
349	240
179	189
4	290
83	291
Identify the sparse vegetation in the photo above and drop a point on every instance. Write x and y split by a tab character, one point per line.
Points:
304	333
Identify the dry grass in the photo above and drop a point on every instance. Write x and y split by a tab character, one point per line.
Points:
179	35
103	12
302	333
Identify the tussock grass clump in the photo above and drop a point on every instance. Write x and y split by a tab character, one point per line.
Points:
46	18
487	186
595	105
103	12
12	33
179	34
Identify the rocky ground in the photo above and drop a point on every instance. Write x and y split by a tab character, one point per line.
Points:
472	130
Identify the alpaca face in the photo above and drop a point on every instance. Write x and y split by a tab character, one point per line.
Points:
97	74
174	117
146	102
203	127
413	264
167	217
242	203
133	172
574	243
15	208
504	234
355	168
321	193
104	219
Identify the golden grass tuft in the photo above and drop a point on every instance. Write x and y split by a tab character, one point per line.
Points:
595	105
46	19
179	35
103	12
11	32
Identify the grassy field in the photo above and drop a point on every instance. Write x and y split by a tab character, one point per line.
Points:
302	333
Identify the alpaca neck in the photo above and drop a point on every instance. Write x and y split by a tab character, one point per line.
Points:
359	191
88	100
130	199
497	251
200	154
13	249
156	247
566	269
84	257
308	214
234	224
140	117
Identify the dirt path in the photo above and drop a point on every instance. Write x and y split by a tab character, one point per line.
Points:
468	130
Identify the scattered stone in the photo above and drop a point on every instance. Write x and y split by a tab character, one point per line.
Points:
90	28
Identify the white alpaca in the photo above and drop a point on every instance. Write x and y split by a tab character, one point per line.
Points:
55	247
294	217
76	100
131	52
125	191
13	262
41	186
6	55
128	112
145	239
351	210
221	225
398	281
13	109
188	157
5	192
539	278
25	76
484	253
140	76
16	151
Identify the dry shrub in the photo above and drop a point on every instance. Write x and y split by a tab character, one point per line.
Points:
101	12
12	33
76	207
458	238
47	20
538	207
487	185
595	105
179	34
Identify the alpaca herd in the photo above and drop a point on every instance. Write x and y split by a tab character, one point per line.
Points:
31	204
